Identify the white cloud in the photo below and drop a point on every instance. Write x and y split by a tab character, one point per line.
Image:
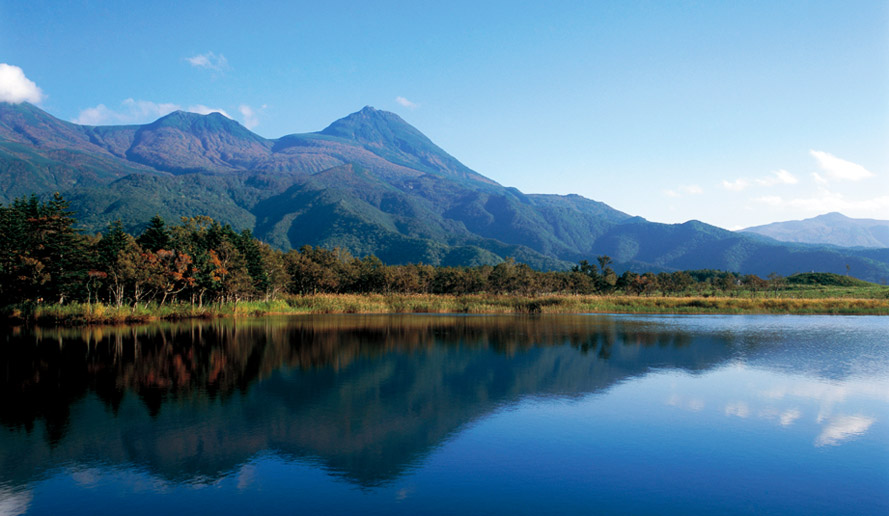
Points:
737	185
827	201
840	169
16	88
819	179
210	61
684	190
406	103
843	428
204	110
137	112
130	112
249	115
778	177
771	200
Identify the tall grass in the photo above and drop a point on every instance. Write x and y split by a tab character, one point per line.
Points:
98	313
493	304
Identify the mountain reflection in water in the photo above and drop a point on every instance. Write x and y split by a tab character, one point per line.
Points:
366	396
372	400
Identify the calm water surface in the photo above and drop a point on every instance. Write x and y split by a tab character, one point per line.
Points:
447	414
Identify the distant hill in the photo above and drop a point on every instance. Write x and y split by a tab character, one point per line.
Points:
825	279
369	183
831	228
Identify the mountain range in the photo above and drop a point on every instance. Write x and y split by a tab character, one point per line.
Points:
831	228
369	183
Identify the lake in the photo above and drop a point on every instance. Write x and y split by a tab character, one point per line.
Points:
417	414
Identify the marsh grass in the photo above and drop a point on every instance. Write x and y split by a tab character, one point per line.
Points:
871	303
553	304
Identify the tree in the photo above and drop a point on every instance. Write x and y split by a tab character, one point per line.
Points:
777	282
649	283
42	256
503	277
65	251
173	272
228	273
585	278
113	242
628	282
275	270
370	275
156	236
754	283
314	270
608	278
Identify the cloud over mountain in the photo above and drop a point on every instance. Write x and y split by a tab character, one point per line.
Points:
133	111
840	169
15	87
406	103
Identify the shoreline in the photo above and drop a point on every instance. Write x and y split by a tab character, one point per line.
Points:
95	314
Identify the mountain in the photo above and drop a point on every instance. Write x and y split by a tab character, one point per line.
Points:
40	153
369	183
185	142
831	228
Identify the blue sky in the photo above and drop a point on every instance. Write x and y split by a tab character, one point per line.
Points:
734	113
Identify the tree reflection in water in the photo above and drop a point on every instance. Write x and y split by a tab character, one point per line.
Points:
366	396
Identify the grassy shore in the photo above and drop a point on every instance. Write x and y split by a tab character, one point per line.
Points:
556	304
869	303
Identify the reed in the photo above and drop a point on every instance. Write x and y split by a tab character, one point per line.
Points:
501	304
98	313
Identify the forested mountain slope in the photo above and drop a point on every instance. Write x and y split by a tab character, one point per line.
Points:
370	183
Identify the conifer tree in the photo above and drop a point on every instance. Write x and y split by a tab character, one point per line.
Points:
156	236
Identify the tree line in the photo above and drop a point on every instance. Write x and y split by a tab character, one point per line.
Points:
44	258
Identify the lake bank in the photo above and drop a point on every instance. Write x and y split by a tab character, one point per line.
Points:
97	313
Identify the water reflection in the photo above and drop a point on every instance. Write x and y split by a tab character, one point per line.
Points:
367	396
374	399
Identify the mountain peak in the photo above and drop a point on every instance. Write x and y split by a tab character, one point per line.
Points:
834	215
197	124
183	141
374	127
188	117
387	135
26	123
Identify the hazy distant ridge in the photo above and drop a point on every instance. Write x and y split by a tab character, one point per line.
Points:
831	228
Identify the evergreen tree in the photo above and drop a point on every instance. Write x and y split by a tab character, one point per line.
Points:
156	236
65	252
42	256
113	242
249	249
